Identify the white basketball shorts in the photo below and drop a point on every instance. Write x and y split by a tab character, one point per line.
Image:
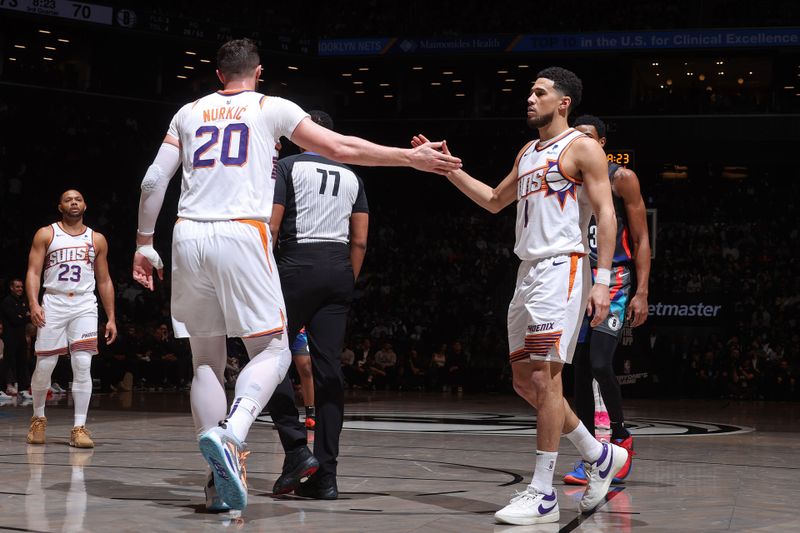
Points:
70	324
224	280
545	313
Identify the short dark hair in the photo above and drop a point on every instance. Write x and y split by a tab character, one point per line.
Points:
238	57
566	82
321	118
14	280
591	120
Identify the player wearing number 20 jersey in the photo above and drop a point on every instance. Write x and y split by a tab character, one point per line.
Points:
228	152
222	243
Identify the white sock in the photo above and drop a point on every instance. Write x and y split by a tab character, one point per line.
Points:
81	385
269	361
542	481
40	381
589	447
243	413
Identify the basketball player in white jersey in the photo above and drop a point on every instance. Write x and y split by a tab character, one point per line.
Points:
556	181
224	280
72	256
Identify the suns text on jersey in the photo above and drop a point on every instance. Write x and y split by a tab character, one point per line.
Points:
66	255
531	182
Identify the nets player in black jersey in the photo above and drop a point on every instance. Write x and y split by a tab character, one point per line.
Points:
594	354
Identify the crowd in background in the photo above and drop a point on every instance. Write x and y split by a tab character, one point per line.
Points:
430	306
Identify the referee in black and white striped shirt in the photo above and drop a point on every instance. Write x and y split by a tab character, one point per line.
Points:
320	218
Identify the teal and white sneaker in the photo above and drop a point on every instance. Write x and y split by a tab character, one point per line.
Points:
214	503
226	456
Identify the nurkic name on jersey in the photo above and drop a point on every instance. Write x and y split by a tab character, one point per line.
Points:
552	211
228	153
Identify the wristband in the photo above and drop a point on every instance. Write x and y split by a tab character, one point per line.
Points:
603	277
151	255
145	233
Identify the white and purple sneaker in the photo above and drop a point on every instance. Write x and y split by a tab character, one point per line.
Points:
529	507
600	474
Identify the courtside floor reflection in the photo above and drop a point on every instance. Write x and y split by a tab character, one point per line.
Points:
409	462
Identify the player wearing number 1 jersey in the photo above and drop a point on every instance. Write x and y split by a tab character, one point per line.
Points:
72	256
224	278
556	183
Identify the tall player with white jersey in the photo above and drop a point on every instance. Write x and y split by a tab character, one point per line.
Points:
557	180
72	256
224	280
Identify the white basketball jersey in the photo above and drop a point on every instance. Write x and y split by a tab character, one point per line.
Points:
69	262
552	213
228	153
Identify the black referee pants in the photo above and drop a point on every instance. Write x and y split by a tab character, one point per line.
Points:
317	281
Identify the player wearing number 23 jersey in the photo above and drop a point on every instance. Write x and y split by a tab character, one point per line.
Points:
70	256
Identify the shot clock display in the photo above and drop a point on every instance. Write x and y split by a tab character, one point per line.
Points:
623	157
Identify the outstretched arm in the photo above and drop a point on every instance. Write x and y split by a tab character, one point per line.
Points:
493	200
626	184
104	285
33	277
427	157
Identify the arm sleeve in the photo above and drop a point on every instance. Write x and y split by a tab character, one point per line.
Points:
283	173
360	205
154	186
284	116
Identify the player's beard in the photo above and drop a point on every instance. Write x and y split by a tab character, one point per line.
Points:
540	121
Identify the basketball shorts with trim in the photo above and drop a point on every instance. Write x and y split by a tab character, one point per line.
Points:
619	293
224	280
70	324
545	313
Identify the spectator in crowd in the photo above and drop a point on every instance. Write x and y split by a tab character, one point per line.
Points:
384	367
15	316
437	373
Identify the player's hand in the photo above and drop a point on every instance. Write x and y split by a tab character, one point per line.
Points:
599	303
37	316
433	157
638	309
144	260
111	331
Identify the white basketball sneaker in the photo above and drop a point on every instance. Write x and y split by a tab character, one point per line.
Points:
529	507
226	457
600	474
